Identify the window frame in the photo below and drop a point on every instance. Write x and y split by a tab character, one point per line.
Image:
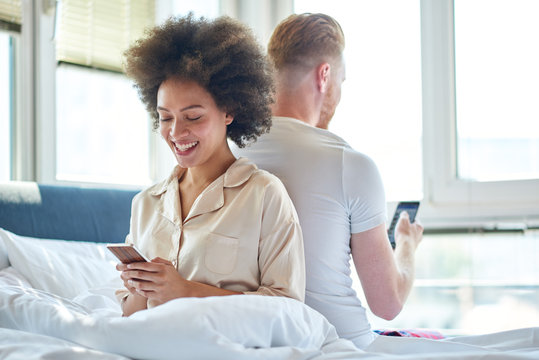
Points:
448	201
42	166
23	101
45	84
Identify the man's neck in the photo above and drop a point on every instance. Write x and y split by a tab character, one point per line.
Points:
296	104
292	113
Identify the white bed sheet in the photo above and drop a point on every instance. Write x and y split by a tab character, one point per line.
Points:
22	345
36	323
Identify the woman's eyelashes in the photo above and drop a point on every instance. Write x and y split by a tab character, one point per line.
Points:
187	117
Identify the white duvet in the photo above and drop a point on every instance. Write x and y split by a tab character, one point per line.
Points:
48	311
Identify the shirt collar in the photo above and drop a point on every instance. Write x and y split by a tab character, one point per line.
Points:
212	198
238	173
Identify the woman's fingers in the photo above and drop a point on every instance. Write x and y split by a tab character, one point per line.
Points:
157	279
142	287
161	261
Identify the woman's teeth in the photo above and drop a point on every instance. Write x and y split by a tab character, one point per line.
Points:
184	147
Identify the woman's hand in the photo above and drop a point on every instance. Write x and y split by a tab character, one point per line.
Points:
134	301
125	277
157	280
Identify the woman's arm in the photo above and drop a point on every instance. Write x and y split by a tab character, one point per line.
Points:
131	303
281	255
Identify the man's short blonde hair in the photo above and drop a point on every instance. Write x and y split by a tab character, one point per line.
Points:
305	40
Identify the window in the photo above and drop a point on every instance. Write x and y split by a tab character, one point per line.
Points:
102	129
497	87
479	106
5	107
380	109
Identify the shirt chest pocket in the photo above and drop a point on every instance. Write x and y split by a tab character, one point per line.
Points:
221	253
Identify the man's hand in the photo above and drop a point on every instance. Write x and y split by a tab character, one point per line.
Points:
408	232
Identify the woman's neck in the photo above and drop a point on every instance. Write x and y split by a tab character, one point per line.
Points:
201	176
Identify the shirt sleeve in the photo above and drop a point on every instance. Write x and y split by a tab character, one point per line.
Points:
281	254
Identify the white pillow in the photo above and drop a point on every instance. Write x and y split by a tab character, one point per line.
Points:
11	277
4	261
64	268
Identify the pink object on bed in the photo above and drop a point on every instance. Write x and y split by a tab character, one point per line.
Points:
419	333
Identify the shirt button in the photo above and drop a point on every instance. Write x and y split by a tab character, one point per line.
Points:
174	262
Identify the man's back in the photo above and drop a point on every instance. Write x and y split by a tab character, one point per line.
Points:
336	191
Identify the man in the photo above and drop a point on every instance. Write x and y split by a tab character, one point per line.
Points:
338	192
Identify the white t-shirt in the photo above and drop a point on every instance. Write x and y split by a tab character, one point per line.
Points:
337	191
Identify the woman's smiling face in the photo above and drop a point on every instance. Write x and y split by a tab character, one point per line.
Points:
191	123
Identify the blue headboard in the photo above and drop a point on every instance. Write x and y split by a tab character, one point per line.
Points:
65	212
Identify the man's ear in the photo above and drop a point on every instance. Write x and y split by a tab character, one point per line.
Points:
322	76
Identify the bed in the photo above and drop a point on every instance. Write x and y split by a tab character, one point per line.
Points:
57	283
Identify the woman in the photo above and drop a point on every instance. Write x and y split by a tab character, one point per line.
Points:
217	225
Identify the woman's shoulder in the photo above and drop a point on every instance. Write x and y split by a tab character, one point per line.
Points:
260	176
267	177
272	186
245	172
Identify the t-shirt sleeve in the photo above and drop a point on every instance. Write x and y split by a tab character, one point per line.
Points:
364	192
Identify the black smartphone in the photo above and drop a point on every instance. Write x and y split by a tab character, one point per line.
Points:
411	208
127	253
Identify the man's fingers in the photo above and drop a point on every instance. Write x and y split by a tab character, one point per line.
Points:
404	213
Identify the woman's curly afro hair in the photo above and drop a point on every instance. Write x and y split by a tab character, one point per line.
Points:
221	55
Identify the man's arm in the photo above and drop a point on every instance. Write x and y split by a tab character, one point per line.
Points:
386	276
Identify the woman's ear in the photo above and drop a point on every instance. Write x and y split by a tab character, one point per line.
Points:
228	119
323	72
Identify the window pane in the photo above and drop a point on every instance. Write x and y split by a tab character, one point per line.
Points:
497	87
380	109
5	107
102	128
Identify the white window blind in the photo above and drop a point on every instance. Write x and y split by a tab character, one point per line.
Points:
95	33
10	15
